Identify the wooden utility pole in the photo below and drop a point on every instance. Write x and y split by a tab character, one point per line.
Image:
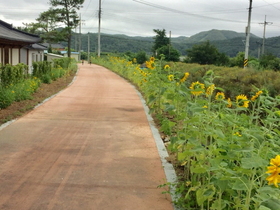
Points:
169	43
88	48
80	35
248	28
264	24
99	26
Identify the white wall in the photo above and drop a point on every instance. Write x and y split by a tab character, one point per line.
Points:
15	56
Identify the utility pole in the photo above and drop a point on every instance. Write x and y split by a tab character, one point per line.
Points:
169	43
264	24
80	35
248	28
99	26
88	48
259	49
76	37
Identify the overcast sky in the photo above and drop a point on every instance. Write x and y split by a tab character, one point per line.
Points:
140	17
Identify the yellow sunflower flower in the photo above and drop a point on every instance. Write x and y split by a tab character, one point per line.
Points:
197	88
167	67
229	103
150	65
185	77
210	90
152	59
171	77
220	96
274	171
242	101
256	95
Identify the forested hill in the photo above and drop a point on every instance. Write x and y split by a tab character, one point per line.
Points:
229	42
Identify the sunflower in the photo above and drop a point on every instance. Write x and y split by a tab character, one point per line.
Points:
242	101
171	77
220	96
229	103
256	95
274	171
152	59
197	88
210	90
167	67
185	77
150	65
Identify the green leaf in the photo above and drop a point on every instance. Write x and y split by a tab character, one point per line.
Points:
241	184
198	169
253	162
183	156
169	107
264	208
204	194
272	204
222	184
151	99
219	133
218	206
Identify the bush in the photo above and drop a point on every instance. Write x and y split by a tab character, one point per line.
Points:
7	97
13	74
234	79
41	68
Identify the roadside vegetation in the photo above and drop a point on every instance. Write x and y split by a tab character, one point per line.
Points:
221	128
16	84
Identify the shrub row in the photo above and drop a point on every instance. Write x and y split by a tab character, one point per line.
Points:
16	84
234	80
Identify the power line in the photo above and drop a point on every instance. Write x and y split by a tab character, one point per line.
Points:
185	13
272	5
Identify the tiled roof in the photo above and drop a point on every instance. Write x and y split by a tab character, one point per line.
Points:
36	47
7	32
55	46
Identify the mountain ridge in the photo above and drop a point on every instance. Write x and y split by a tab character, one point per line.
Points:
228	42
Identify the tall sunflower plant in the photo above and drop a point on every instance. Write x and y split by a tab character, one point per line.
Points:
227	149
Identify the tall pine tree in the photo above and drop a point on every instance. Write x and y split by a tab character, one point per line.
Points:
66	13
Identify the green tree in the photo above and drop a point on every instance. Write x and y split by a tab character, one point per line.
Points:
238	60
205	53
141	57
170	53
65	11
160	40
270	61
47	27
162	46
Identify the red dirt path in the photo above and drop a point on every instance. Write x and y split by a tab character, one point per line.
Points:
90	147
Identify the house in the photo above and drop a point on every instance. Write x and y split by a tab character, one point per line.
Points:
51	57
18	46
32	53
75	55
58	47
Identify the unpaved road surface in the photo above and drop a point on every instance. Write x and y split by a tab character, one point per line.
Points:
89	147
